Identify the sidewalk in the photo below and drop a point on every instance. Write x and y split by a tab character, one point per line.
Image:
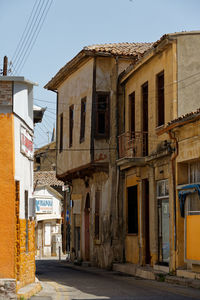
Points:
29	290
158	273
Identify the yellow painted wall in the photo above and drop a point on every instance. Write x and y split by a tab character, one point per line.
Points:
188	150
7	197
163	61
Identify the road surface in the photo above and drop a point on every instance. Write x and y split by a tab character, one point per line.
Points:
60	281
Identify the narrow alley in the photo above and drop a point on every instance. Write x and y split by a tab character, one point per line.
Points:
62	281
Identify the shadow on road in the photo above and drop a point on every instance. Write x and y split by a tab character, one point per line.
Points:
93	284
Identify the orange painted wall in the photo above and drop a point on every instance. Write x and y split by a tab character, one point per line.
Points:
7	197
193	241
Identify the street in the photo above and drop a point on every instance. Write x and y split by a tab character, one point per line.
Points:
62	281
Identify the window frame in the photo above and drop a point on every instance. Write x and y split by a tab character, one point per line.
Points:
61	134
71	124
83	119
160	100
98	111
130	213
97	215
132	112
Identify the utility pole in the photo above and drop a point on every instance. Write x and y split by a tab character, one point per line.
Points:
5	66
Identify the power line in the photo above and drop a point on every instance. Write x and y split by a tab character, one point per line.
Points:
26	34
30	34
23	37
40	27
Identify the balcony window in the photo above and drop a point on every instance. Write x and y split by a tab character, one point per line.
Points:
160	99
102	115
71	124
132	111
83	116
61	133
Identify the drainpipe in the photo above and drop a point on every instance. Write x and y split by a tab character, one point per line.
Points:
173	158
117	133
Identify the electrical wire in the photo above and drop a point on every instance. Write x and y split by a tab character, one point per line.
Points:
40	27
23	37
30	35
27	35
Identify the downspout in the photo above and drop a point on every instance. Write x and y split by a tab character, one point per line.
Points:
117	133
173	165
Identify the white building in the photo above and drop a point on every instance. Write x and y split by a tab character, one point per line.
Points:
16	180
48	209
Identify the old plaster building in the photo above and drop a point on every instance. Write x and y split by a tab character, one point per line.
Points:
158	88
48	210
184	133
17	247
45	158
87	129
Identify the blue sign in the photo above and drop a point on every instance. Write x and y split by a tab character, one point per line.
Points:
67	215
43	206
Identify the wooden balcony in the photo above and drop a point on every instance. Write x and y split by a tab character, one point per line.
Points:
133	144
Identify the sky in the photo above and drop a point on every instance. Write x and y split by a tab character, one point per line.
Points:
71	25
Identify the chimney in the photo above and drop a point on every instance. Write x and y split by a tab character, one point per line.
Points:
5	66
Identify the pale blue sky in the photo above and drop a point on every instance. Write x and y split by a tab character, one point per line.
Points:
71	25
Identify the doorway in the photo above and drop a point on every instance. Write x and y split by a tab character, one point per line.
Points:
163	221
146	225
87	228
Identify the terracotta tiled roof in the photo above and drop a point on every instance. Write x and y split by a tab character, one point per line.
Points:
185	117
132	50
127	49
46	178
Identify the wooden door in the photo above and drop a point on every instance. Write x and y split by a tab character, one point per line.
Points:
87	228
146	223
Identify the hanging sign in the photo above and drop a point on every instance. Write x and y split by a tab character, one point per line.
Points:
26	143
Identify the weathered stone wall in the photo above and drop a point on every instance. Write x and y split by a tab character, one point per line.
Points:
5	93
188	58
7	289
27	259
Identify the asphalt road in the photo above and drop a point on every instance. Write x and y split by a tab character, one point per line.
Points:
60	281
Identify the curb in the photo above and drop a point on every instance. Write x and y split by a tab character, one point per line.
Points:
34	290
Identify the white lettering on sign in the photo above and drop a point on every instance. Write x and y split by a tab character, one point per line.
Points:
43	206
26	143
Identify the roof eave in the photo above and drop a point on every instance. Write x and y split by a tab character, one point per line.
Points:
179	123
71	66
149	54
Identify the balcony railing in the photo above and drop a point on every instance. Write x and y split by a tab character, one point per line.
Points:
133	144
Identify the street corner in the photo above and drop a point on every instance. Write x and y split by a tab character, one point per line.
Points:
29	290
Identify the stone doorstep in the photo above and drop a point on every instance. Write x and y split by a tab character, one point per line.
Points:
160	268
188	282
29	290
85	263
135	270
188	274
153	274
